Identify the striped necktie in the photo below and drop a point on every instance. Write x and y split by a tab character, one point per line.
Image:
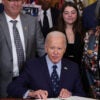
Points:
18	44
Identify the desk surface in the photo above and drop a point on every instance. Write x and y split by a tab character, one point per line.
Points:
70	98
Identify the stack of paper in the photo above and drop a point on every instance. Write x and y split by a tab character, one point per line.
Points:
70	98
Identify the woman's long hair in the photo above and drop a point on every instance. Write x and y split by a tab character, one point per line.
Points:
77	28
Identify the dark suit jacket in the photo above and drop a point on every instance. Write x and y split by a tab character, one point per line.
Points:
36	76
89	19
1	8
54	15
33	42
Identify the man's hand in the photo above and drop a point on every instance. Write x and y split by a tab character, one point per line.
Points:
39	94
64	93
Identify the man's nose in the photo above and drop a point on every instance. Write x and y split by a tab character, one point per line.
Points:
55	51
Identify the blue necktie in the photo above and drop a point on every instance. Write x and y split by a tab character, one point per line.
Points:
55	81
18	44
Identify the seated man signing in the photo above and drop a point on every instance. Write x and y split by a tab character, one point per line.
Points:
50	75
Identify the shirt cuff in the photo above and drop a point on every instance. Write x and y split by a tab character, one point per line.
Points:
26	94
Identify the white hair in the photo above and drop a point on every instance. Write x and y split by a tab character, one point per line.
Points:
55	34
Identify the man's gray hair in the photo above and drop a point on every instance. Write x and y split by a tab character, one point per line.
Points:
56	34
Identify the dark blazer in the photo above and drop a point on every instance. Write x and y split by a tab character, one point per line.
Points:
1	7
54	15
36	76
34	42
74	51
88	17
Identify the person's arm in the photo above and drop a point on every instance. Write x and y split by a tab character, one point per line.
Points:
26	94
19	86
85	19
78	88
39	40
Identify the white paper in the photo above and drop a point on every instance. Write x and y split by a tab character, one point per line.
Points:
70	98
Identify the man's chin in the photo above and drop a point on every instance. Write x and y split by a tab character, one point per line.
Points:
55	61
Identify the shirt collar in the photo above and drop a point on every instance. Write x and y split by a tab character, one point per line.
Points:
49	62
48	11
9	18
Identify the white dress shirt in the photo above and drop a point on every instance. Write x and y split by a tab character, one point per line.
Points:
50	66
41	17
14	53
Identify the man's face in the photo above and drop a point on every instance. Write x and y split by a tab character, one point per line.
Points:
12	7
45	4
55	48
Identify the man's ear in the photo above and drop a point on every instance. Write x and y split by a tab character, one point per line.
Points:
45	47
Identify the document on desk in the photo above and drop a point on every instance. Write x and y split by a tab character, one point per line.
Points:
77	98
70	98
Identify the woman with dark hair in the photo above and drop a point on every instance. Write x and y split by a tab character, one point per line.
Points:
69	23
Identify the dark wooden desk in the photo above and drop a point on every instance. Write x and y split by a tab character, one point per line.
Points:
70	98
14	99
11	99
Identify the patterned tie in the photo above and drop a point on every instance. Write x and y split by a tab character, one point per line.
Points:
55	81
18	44
45	24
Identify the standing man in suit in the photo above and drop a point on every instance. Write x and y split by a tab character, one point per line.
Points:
52	14
27	33
37	79
89	16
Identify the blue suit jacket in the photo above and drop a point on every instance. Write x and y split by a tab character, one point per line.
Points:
36	76
89	19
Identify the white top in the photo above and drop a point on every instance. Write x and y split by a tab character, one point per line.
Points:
41	16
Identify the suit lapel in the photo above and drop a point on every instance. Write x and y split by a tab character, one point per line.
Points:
25	29
64	72
46	73
40	24
6	31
